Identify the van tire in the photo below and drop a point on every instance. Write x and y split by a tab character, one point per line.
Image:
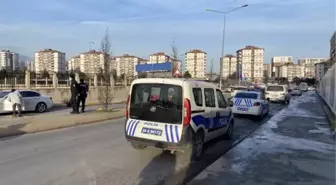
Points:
193	149
229	133
138	146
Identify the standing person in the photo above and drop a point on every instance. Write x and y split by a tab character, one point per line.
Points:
84	89
16	99
74	87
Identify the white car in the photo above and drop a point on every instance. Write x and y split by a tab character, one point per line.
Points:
32	101
277	93
311	88
235	89
250	103
296	92
176	115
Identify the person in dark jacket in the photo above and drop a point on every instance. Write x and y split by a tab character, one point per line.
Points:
74	87
84	89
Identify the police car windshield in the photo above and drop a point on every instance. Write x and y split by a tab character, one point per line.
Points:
247	95
3	93
275	88
156	102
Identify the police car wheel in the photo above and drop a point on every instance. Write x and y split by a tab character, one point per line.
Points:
138	146
195	147
229	133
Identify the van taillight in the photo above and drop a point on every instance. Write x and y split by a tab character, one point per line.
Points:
256	104
187	112
127	105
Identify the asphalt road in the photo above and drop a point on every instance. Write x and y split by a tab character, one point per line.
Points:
99	154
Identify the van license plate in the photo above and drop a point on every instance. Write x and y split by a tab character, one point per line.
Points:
151	131
242	109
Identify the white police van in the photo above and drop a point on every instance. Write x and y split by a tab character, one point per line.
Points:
250	103
176	115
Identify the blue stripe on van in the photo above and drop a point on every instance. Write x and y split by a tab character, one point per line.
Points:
128	126
172	133
177	133
136	124
166	131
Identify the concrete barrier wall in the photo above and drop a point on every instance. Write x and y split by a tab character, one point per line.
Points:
60	95
327	88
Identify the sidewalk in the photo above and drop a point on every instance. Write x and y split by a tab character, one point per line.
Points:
36	123
295	146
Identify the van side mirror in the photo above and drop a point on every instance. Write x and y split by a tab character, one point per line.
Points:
231	104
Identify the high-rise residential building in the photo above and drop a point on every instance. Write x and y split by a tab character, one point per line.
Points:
30	65
125	65
251	63
195	63
290	71
92	62
22	65
9	60
279	61
332	49
74	63
50	60
159	57
320	70
229	66
267	70
309	65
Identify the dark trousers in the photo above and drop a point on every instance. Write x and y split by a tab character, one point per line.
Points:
74	104
18	106
81	99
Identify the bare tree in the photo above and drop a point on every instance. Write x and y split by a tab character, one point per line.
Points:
174	55
106	90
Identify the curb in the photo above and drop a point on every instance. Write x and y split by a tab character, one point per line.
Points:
330	114
28	127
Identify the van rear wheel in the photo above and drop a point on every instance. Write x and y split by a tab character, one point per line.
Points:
138	146
195	147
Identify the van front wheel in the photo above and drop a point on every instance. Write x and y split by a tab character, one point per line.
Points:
138	146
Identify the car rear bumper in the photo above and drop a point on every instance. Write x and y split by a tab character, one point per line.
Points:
185	139
252	111
276	98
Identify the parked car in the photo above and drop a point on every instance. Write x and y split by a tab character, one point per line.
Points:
277	93
178	118
303	86
311	88
235	89
32	101
296	91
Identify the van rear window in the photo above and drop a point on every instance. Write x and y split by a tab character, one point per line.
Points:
275	88
157	103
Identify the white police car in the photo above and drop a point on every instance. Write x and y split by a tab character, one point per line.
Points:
176	115
250	103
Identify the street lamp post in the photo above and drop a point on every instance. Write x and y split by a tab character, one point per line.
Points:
223	40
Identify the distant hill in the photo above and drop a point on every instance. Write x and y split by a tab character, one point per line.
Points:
24	58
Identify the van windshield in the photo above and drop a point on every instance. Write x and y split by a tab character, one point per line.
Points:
157	103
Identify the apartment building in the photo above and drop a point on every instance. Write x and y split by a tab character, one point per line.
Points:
332	49
309	65
195	63
229	66
320	70
9	60
268	70
126	65
290	71
279	61
91	62
74	63
251	63
50	60
159	57
30	65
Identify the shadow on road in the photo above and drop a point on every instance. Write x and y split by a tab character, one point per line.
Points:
158	169
11	132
